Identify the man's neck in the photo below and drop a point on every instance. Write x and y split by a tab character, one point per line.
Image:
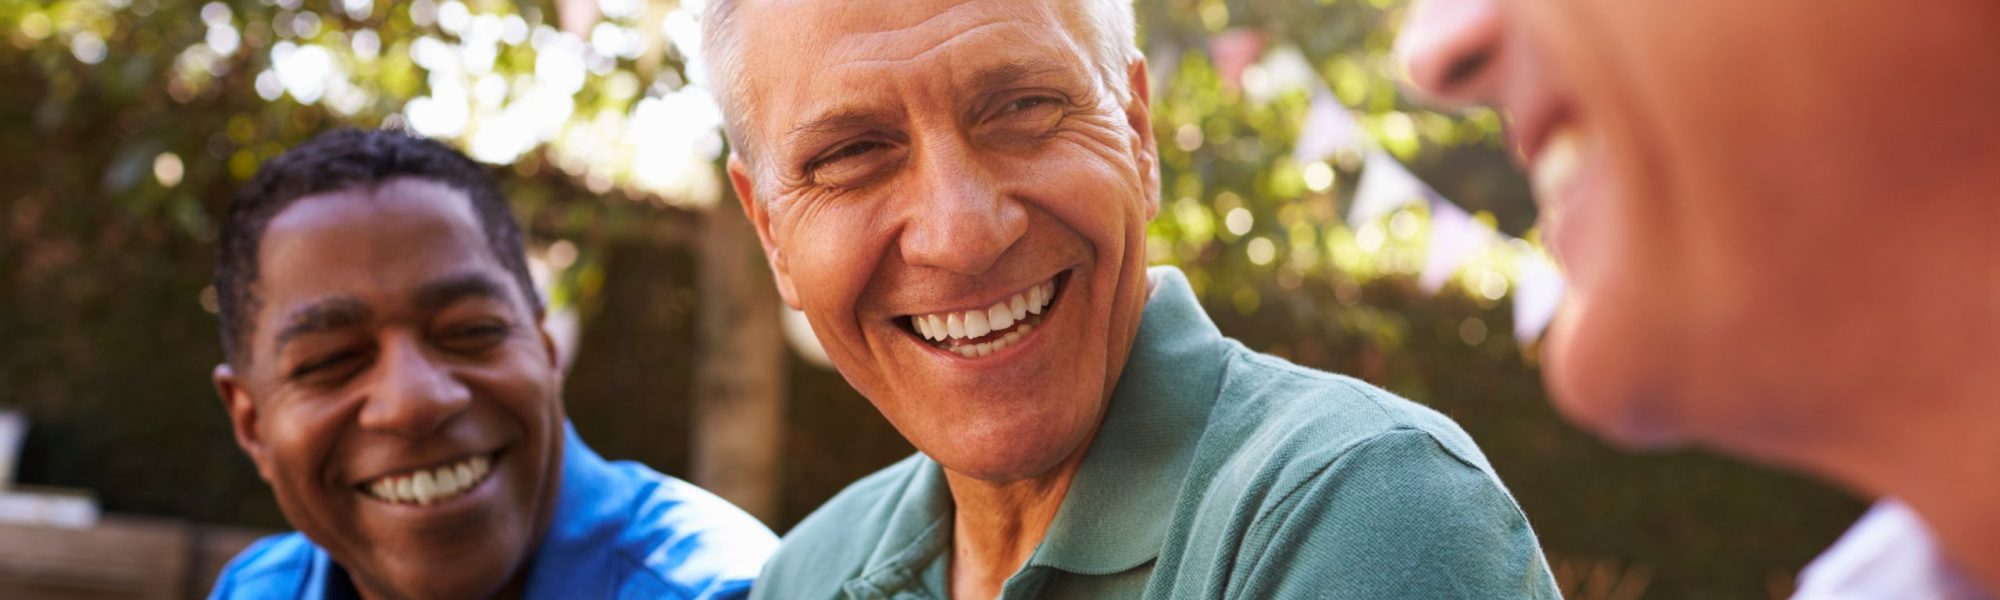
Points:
996	526
1951	478
1939	456
1961	518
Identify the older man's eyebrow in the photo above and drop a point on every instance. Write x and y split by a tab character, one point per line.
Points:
444	291
1014	72
322	316
839	120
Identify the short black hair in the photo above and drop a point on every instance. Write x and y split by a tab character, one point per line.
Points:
338	160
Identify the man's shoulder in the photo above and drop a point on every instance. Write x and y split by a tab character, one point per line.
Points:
1318	461
276	566
687	538
1287	408
835	543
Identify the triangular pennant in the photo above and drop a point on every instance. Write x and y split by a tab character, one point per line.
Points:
1234	51
1329	129
1538	294
1385	186
1454	236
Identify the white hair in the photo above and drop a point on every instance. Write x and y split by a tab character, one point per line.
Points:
1109	25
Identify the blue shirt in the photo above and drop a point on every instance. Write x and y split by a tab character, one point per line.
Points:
1217	473
620	530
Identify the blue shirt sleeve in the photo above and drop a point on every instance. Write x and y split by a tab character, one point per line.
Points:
274	567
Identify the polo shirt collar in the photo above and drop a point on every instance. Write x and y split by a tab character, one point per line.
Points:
575	558
915	541
1115	516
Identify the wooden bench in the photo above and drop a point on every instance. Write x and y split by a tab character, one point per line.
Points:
122	557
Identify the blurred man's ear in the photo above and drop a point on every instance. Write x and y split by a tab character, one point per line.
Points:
242	411
744	182
1139	114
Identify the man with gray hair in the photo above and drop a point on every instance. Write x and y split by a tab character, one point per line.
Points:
955	194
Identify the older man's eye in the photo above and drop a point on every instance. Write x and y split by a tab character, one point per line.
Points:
1026	115
851	164
1023	105
846	152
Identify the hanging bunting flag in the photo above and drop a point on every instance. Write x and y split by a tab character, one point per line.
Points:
1385	186
1328	130
1455	235
1234	51
1162	63
1282	70
1538	294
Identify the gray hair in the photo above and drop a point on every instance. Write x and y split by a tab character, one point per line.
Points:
1109	23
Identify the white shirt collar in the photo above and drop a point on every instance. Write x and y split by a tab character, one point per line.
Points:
1889	553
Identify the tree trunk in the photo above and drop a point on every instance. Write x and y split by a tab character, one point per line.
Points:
739	386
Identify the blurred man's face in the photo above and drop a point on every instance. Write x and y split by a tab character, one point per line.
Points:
1724	183
400	397
958	205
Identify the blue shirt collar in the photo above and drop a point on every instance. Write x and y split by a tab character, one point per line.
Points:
574	558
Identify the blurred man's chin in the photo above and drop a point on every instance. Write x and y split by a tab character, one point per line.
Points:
1600	387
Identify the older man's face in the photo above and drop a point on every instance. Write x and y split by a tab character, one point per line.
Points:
1720	179
957	203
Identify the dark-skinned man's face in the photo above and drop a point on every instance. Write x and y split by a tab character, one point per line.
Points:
397	391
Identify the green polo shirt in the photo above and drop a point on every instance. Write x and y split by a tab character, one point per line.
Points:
1218	473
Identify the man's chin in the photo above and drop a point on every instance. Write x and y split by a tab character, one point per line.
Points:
1595	391
1633	424
443	578
1001	461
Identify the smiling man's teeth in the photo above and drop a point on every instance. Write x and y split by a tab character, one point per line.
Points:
1008	318
1555	167
432	485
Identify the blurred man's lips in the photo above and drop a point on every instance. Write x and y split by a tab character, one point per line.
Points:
1554	166
979	332
431	485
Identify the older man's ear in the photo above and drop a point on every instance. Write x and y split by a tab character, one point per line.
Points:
746	193
1139	114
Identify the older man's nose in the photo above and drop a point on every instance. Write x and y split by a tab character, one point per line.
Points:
959	219
413	395
1450	49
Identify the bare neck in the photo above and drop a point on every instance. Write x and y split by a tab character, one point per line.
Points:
1948	471
996	526
1936	448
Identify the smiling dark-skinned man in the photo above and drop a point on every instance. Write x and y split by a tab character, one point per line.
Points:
388	373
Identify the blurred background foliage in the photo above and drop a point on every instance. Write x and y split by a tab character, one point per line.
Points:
129	122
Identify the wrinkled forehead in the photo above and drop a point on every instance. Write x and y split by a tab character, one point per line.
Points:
798	54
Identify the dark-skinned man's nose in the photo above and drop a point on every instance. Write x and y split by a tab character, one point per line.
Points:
1451	50
413	394
958	218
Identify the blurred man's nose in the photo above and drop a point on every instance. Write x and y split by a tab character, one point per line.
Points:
414	394
1450	49
957	218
